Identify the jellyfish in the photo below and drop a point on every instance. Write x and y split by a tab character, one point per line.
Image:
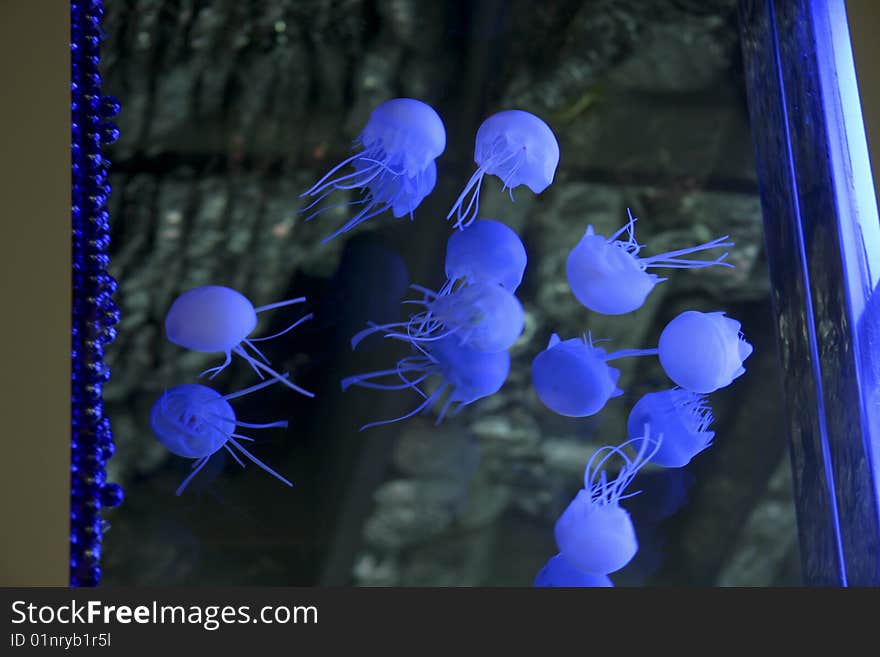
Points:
217	319
467	374
395	167
681	416
488	251
572	377
703	352
484	316
195	421
594	534
607	276
516	146
559	573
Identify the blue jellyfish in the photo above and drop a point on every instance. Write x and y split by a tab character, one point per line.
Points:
195	421
703	352
488	251
682	417
484	316
607	276
395	167
572	377
516	146
595	534
217	319
559	573
465	373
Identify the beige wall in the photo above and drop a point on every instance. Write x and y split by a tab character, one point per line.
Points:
34	291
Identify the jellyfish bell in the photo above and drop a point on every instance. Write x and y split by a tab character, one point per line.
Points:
472	374
211	318
557	572
572	378
483	316
682	417
394	168
217	319
488	251
409	131
517	147
595	534
401	193
595	539
703	352
195	421
464	374
179	420
607	275
605	278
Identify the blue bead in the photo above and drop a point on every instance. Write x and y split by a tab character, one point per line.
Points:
112	495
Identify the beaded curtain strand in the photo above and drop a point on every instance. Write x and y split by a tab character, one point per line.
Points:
94	313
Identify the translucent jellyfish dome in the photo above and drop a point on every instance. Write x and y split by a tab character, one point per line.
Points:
572	378
681	417
607	276
489	252
211	318
595	539
408	131
595	534
486	316
195	422
483	316
460	372
395	168
557	572
218	319
703	352
517	147
180	420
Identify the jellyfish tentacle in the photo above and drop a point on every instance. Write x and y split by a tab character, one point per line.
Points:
412	364
314	188
467	217
418	409
629	227
268	370
219	368
364	380
372	328
333	206
407	384
234	455
628	353
279	424
300	321
443	411
372	210
672	257
253	347
472	187
280	304
258	461
196	469
384	166
341	183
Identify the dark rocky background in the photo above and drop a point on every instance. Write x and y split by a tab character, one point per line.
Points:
231	109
